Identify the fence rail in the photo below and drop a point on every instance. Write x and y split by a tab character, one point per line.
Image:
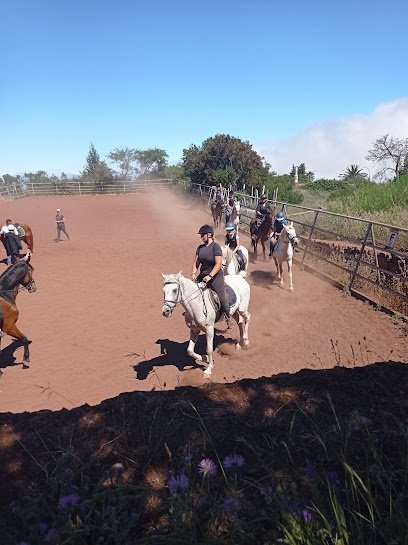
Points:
78	188
367	258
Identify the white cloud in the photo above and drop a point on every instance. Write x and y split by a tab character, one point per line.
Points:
329	148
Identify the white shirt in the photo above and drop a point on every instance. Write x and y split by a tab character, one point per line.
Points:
9	229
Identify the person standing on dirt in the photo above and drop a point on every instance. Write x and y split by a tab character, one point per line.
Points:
208	259
11	241
60	219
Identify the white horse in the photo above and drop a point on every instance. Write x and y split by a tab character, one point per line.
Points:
233	215
283	251
200	314
230	263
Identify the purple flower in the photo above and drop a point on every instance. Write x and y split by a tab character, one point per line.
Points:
332	477
235	460
207	468
68	501
306	516
309	468
177	483
231	504
51	536
202	502
359	422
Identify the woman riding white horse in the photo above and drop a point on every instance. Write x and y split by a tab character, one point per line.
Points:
283	251
200	313
235	256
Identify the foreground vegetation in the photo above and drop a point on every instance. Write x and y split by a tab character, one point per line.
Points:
314	459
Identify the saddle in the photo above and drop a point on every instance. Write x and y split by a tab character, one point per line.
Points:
241	260
20	230
215	301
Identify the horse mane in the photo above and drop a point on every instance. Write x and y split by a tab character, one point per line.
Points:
228	252
12	276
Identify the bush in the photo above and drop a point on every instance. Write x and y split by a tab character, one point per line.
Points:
286	189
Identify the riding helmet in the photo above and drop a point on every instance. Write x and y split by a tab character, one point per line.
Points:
264	196
280	216
230	226
206	230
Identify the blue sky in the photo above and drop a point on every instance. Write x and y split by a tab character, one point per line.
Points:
314	82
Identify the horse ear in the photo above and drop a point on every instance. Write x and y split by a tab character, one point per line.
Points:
178	274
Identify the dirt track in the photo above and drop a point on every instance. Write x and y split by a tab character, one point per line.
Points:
96	322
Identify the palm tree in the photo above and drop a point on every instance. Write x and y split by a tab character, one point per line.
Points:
352	172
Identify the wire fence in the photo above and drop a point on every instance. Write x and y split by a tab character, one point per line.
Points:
366	258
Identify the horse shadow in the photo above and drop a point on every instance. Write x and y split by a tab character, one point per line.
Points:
174	353
7	358
262	278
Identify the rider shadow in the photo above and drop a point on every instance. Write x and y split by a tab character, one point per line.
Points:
262	278
174	353
7	358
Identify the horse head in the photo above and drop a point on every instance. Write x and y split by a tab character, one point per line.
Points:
172	293
289	234
28	281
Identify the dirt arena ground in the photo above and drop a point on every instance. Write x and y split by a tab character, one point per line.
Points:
95	321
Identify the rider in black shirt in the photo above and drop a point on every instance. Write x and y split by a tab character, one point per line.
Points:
262	210
208	259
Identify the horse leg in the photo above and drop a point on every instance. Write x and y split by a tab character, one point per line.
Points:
290	274
281	272
210	350
194	333
13	331
277	269
243	324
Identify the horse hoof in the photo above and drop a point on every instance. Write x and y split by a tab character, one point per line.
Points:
208	372
237	346
26	364
290	289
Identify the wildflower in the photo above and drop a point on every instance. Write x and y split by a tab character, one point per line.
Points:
359	422
309	468
51	536
207	468
202	502
234	460
306	516
231	504
68	501
332	477
177	483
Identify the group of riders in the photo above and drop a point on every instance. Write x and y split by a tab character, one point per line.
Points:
207	264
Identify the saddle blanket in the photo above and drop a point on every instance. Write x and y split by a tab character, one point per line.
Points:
231	295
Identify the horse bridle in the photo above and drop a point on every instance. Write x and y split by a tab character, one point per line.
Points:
173	303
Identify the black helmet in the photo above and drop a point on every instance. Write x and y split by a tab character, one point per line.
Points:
206	230
264	196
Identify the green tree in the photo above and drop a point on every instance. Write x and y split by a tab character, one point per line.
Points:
150	161
226	160
124	158
96	172
352	173
388	151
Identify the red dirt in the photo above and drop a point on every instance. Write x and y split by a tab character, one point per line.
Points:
96	322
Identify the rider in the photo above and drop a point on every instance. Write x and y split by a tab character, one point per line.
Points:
232	240
208	259
11	240
278	224
262	210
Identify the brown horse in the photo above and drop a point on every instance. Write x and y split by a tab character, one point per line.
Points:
20	273
28	236
262	233
217	210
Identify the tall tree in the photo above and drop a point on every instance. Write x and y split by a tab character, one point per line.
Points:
226	160
388	151
124	159
152	160
96	172
352	172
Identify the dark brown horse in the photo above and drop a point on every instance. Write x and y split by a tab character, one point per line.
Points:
19	274
262	233
217	211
